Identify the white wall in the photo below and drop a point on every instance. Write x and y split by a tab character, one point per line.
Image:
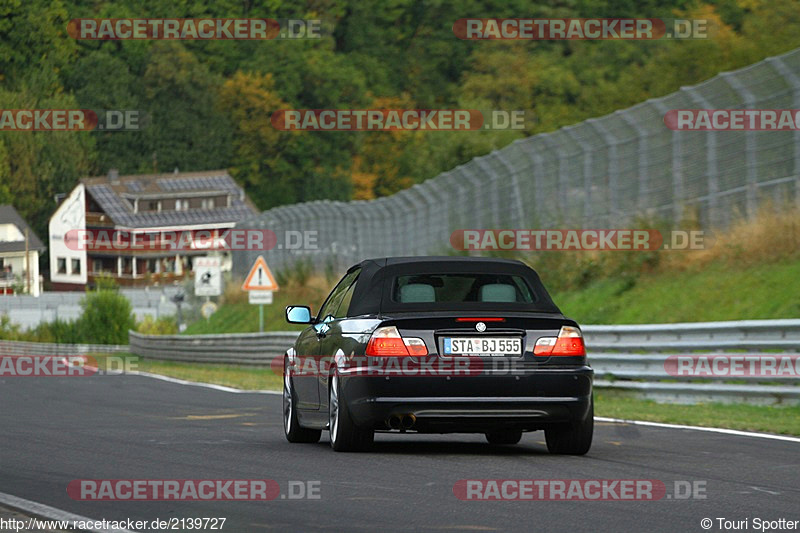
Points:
10	233
70	215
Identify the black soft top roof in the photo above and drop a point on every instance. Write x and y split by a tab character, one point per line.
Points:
372	293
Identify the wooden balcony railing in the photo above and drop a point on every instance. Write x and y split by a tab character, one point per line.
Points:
94	220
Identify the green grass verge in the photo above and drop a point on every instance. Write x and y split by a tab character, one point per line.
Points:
620	404
613	404
239	377
716	293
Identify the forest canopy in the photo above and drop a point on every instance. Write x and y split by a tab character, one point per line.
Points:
209	103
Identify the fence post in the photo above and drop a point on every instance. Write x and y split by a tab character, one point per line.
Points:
641	135
476	190
677	168
613	164
750	142
493	188
588	211
793	80
443	226
516	192
712	172
561	197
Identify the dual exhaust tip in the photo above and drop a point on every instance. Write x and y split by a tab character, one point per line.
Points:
401	421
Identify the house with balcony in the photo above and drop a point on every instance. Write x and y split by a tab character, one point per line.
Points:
142	208
19	254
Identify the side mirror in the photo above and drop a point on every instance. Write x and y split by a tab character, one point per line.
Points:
298	314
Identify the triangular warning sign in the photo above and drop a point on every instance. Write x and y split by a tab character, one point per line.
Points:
260	278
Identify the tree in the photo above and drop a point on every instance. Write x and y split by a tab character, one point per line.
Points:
185	128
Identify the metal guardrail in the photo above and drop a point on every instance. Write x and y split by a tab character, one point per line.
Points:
48	348
629	357
741	331
231	348
633	357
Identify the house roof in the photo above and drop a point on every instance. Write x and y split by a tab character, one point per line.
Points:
9	215
116	196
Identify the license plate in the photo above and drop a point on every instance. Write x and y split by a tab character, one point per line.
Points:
482	346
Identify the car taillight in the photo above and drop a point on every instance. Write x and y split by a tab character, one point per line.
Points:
387	342
568	343
544	345
416	347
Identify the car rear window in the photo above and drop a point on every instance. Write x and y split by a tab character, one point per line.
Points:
461	288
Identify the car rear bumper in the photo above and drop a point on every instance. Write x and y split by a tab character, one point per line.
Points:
529	400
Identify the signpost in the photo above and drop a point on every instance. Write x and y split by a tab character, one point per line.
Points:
207	276
260	283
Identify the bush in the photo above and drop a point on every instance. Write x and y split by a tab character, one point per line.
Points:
10	331
165	325
107	316
59	331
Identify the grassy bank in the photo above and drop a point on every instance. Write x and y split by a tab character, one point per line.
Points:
717	292
749	271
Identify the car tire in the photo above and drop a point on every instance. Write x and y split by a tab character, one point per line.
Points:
574	438
504	436
345	435
291	426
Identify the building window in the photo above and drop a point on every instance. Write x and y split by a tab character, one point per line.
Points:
181	205
62	265
208	203
97	265
76	267
154	205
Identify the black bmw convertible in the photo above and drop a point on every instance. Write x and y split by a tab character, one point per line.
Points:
438	345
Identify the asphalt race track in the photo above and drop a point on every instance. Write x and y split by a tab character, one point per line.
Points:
55	430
